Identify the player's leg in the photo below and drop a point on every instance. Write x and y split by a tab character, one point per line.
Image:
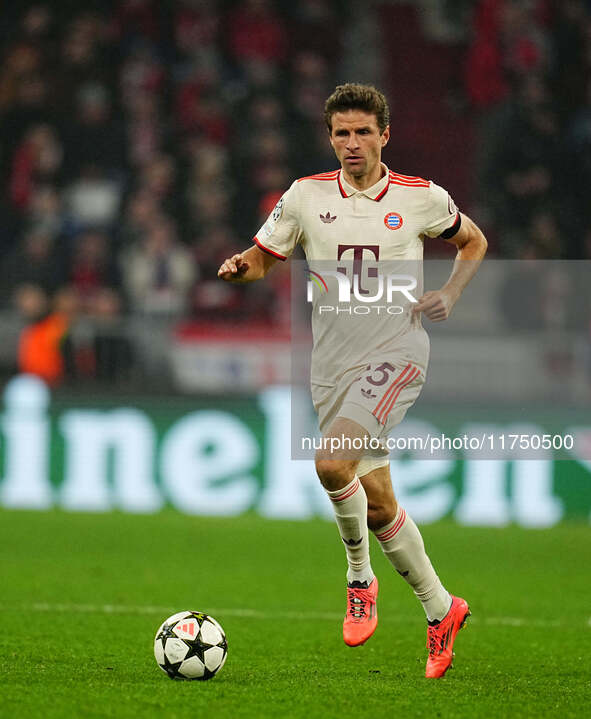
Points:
403	544
336	466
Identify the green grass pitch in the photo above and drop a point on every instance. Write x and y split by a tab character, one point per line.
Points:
82	596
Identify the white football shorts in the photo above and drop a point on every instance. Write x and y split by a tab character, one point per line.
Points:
377	398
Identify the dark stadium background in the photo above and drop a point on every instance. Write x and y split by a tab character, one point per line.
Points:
144	141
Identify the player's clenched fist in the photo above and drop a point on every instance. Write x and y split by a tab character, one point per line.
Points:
233	268
436	305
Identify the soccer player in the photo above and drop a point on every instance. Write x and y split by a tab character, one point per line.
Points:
365	212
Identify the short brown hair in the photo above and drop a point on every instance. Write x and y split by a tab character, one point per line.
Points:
353	96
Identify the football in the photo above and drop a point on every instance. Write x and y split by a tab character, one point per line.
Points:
190	645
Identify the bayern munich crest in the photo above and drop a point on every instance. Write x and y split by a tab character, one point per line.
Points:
393	221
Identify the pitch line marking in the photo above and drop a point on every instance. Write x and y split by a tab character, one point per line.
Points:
257	614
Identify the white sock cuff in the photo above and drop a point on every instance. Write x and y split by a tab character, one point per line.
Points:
345	492
390	530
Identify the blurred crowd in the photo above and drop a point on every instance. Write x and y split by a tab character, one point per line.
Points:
143	141
528	76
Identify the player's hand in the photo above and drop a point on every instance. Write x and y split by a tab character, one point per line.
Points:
436	305
233	268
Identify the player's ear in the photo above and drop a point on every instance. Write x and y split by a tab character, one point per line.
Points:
385	136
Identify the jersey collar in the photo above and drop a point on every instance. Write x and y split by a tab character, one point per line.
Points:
375	192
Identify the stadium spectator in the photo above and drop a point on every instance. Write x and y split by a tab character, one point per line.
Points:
93	273
37	260
93	199
42	346
197	27
257	32
38	158
528	67
141	211
146	133
23	92
208	301
87	59
94	136
308	26
158	272
203	113
138	20
45	211
158	177
508	42
111	346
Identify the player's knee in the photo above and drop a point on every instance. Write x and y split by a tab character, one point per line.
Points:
334	473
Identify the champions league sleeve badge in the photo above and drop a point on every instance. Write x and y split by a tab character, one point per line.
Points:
271	223
277	211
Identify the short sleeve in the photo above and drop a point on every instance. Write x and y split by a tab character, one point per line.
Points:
441	213
282	231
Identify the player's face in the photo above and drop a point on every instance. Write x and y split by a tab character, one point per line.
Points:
357	142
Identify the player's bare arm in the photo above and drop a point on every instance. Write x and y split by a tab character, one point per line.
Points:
248	266
471	243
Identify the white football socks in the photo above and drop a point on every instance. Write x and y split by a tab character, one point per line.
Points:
350	508
403	545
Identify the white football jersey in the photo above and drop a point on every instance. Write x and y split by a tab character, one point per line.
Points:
350	230
330	218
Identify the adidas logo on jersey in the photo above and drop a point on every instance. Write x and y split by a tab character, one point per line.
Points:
327	218
368	393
